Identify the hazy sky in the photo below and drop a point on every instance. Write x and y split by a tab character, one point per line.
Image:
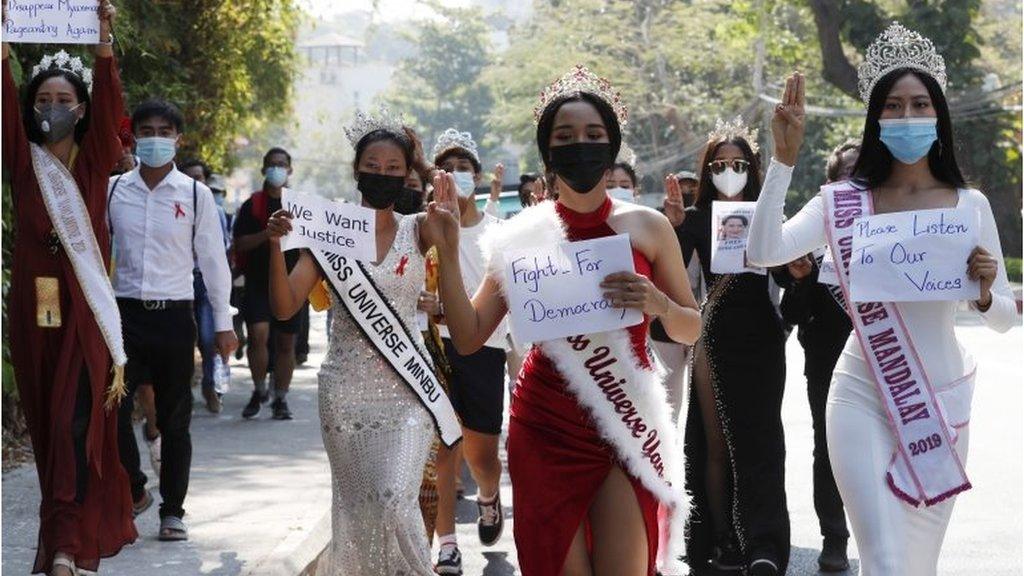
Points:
387	9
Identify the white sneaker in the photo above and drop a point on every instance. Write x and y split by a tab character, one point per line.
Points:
154	454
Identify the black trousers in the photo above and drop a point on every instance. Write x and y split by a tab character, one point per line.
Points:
160	343
828	504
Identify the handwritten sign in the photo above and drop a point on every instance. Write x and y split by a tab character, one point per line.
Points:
828	273
52	21
322	224
914	256
730	225
554	292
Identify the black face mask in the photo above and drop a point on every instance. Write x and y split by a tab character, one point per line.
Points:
380	191
581	165
409	202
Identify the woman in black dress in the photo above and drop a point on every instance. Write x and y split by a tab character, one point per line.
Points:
735	452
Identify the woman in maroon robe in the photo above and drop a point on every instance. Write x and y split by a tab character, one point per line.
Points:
61	362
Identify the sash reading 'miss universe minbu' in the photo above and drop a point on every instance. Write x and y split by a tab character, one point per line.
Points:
626	400
925	468
373	314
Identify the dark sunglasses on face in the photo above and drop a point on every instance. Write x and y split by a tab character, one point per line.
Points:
738	166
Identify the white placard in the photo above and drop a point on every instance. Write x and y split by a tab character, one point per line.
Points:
914	256
321	224
555	291
52	21
828	273
730	226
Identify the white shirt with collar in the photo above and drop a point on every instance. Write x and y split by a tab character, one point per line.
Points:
153	232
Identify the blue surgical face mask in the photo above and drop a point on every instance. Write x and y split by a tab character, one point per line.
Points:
156	151
276	176
908	139
464	180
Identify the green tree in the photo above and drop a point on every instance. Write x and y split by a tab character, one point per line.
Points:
439	86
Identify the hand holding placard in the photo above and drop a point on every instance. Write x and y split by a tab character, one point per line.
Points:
321	224
914	256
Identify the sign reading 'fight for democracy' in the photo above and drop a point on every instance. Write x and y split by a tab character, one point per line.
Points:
321	224
914	256
555	291
52	21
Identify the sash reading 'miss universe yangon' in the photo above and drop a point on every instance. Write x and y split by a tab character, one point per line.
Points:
70	219
393	340
925	468
627	401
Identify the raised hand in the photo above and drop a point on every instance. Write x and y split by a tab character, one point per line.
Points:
673	203
107	12
788	120
441	225
279	224
496	180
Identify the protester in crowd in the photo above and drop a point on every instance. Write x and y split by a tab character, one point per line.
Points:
377	429
477	381
735	450
252	249
586	497
530	189
823	331
199	171
493	205
163	221
623	184
60	140
903	376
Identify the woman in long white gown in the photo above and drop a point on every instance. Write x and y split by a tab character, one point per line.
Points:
902	83
376	432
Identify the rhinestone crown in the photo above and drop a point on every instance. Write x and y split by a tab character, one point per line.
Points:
366	123
896	48
64	61
581	79
732	130
452	138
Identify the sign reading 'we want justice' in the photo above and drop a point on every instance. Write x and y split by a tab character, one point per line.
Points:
52	21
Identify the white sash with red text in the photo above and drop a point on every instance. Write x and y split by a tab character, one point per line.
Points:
391	337
70	219
925	467
627	401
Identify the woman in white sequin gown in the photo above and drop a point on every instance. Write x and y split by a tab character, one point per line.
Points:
376	432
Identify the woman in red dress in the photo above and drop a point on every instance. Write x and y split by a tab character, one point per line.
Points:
579	507
62	364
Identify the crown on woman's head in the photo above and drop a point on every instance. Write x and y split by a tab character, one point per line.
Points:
581	79
897	48
366	123
452	138
732	130
64	61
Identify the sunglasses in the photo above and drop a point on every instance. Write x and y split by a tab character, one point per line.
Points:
738	166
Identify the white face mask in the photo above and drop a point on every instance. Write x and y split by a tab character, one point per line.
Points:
620	193
464	180
730	182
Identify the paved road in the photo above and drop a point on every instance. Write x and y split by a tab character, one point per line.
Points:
260	490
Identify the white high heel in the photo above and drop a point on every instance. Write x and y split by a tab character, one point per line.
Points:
62	559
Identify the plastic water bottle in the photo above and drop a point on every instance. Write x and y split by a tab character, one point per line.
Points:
221	375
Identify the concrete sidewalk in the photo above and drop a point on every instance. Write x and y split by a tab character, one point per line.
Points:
258	492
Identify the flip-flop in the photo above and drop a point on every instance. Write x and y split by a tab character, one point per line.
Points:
61	560
172	529
142	505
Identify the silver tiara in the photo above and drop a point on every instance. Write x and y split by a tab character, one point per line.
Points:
581	79
366	123
733	130
897	48
452	138
64	61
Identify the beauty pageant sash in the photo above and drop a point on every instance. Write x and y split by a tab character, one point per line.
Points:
70	220
925	468
626	400
383	326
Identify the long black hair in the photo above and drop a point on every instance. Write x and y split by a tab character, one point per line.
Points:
547	121
706	191
28	103
875	161
381	135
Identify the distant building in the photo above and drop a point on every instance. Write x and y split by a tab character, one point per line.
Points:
331	52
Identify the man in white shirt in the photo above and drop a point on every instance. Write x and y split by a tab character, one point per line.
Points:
477	383
160	218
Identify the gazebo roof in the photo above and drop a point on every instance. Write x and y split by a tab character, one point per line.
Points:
332	40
